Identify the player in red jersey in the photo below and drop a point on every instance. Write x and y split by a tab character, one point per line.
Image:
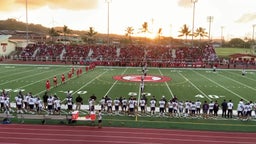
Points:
69	75
77	72
80	71
55	81
72	70
47	85
63	78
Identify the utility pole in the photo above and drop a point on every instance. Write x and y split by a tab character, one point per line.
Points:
193	20
108	2
210	20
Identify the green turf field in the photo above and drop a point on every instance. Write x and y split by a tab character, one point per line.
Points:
186	84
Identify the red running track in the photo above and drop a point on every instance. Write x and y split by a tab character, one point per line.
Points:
52	134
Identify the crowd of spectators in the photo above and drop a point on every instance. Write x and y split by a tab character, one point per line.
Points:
129	55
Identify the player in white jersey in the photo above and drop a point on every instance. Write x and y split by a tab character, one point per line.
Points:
187	108
2	102
39	105
211	105
170	108
19	104
50	102
69	102
230	109
103	104
124	105
6	105
31	103
117	104
142	86
142	105
57	105
175	108
152	106
26	101
109	105
198	107
181	108
240	109
193	109
246	111
131	105
161	107
91	105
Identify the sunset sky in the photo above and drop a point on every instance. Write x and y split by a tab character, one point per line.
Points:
235	16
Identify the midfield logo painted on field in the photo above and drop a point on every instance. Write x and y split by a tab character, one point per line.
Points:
138	78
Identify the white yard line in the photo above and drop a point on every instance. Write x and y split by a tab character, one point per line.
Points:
239	82
38	82
23	77
114	83
221	86
90	81
195	86
240	75
53	87
166	84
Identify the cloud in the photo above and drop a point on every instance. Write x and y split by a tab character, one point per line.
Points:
184	3
10	5
247	17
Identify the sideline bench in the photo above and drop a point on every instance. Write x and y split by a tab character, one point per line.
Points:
3	115
24	117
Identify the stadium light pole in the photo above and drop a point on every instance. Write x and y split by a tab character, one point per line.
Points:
210	19
108	3
27	21
193	20
222	37
253	28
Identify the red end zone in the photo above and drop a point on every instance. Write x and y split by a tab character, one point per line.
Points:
137	78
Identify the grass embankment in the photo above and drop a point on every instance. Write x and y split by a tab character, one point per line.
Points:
225	52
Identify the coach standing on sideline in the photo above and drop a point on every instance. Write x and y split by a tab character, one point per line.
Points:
45	98
224	106
79	102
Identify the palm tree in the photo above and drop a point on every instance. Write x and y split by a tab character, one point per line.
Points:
201	33
144	28
129	32
159	33
66	31
53	33
185	32
90	35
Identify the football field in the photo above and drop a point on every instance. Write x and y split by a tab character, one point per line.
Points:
186	84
